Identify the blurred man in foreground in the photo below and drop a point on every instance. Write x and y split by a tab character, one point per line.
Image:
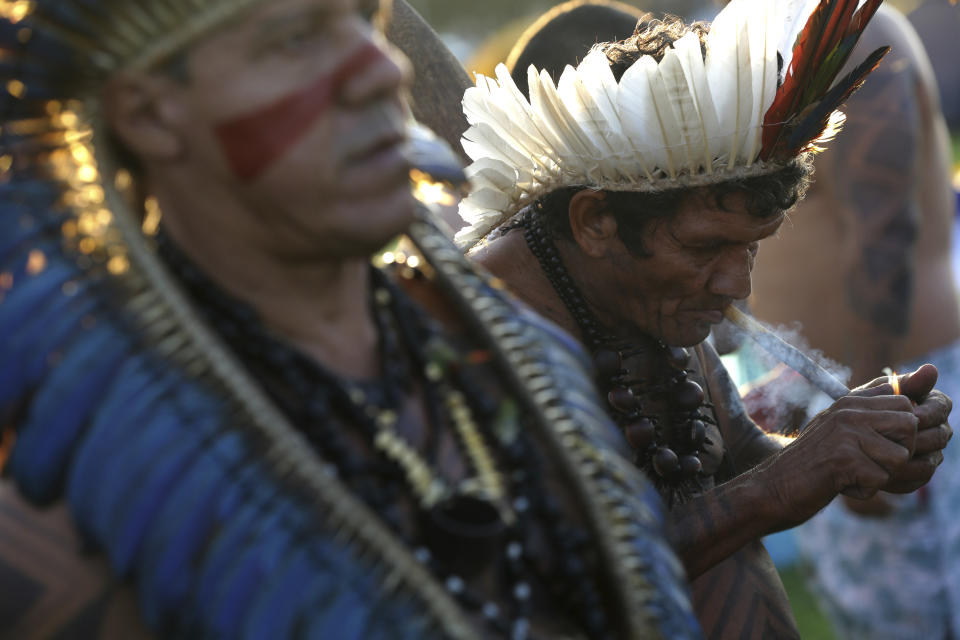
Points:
268	435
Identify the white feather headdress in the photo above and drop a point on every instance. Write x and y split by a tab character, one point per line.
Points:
685	121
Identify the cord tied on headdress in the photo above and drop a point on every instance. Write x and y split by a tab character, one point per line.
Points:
762	96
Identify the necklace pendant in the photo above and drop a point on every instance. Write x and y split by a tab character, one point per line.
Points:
465	533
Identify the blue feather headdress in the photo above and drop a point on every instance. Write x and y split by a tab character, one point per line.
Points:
138	414
172	458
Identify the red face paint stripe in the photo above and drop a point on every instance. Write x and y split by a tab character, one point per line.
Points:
252	143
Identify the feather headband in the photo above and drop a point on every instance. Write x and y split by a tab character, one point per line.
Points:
763	95
133	34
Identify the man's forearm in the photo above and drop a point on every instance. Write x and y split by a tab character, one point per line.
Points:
710	528
754	446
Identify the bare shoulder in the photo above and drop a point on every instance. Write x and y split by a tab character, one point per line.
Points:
57	589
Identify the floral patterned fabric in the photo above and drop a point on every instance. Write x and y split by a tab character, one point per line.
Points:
897	577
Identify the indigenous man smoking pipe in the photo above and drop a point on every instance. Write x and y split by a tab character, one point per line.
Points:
627	203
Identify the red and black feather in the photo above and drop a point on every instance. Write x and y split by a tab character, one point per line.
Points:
812	125
821	51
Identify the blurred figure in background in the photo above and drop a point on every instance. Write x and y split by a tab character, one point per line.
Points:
937	22
566	33
865	268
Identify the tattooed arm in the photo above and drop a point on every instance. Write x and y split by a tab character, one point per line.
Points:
714	526
746	444
858	446
51	589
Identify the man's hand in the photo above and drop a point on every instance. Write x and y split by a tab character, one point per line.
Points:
933	433
867	441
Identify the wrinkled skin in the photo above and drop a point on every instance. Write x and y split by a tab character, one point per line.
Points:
701	261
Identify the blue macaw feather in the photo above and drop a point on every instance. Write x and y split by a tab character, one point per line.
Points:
188	517
253	565
124	537
237	517
181	516
29	294
21	233
345	617
132	400
238	514
167	574
274	613
61	409
56	331
25	355
137	451
152	460
27	198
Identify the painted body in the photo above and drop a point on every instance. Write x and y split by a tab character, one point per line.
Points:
254	142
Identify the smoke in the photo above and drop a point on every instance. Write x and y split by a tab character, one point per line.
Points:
778	398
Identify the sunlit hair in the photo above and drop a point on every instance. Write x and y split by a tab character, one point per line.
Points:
651	38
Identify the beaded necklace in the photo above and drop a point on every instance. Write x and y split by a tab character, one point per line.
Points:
461	528
649	392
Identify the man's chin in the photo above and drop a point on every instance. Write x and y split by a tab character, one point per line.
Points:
687	336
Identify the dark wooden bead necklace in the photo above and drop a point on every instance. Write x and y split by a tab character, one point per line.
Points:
647	383
461	527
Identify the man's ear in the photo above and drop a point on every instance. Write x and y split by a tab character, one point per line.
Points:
140	110
594	228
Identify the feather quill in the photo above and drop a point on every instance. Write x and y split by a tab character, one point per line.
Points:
763	66
823	48
482	139
588	115
812	124
731	83
491	102
648	117
569	148
520	109
597	78
690	56
684	109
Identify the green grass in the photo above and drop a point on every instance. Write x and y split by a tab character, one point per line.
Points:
813	624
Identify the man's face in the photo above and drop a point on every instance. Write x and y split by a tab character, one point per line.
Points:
296	108
701	261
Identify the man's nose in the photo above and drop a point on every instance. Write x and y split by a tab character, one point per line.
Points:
732	276
381	77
